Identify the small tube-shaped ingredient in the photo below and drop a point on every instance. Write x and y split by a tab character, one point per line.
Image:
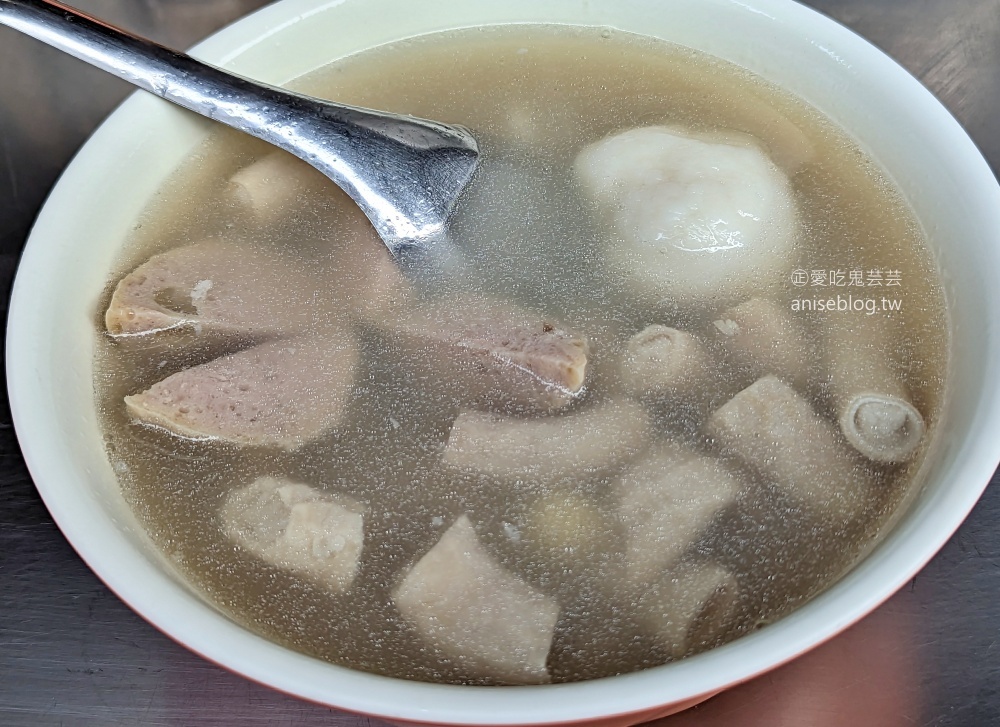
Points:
665	501
763	337
215	287
278	394
581	443
665	361
689	608
492	354
773	430
873	406
273	183
488	620
296	527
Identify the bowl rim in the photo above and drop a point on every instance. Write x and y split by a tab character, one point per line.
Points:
204	630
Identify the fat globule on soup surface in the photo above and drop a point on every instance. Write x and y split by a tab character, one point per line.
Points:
621	436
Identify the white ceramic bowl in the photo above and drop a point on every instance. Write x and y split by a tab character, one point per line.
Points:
79	233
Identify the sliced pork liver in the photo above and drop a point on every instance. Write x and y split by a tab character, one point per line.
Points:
279	394
216	287
492	354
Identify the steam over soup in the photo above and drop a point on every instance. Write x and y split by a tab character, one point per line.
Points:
690	370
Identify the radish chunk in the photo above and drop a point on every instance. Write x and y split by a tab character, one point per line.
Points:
690	608
296	527
279	394
772	429
666	500
567	526
488	621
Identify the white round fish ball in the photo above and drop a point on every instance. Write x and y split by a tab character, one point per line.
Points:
695	217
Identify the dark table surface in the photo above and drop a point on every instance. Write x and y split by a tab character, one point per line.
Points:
72	654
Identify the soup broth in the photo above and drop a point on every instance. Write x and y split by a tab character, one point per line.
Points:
536	97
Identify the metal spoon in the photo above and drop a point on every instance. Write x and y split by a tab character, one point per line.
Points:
405	173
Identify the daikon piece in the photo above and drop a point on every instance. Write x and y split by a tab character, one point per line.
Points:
873	405
296	527
579	444
774	430
665	361
695	218
490	622
278	394
690	607
492	354
666	500
216	287
764	338
271	185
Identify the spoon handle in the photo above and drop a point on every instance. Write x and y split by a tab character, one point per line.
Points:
390	165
